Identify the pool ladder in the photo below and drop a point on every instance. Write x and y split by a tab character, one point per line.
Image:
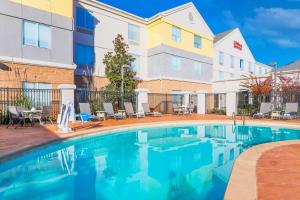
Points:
234	119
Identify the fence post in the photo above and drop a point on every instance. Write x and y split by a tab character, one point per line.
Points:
201	102
67	95
231	103
142	97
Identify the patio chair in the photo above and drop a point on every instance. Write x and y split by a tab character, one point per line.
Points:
85	113
190	108
177	110
108	108
290	111
147	111
15	117
45	115
264	111
130	112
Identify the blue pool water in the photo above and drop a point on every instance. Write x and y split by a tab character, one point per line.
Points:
182	162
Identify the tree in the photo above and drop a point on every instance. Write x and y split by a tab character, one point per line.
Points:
258	87
114	62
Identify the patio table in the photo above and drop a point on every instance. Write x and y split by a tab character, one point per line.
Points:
30	113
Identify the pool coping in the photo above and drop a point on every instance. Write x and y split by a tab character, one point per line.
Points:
116	128
243	179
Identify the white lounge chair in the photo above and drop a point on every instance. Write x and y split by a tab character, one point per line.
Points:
130	112
108	108
290	111
264	111
147	111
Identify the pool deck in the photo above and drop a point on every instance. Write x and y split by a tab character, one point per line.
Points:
260	172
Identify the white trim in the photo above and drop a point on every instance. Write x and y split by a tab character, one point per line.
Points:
175	79
36	62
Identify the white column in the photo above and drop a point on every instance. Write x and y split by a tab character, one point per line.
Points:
186	97
201	102
67	95
231	103
142	97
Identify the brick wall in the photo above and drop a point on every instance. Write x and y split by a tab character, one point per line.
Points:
13	74
167	86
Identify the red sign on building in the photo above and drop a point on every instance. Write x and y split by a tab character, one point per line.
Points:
237	45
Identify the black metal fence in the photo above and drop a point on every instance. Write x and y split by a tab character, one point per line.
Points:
164	102
28	99
96	98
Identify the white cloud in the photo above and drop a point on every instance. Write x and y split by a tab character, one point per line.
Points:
229	19
281	26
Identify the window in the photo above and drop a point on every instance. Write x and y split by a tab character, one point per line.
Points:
44	36
232	61
39	98
197	41
84	55
135	65
176	63
221	75
133	34
221	58
35	34
198	67
242	64
250	67
84	19
176	34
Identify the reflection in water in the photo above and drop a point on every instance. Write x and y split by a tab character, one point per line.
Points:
190	162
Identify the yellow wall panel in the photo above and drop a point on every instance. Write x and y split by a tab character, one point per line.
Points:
161	33
60	7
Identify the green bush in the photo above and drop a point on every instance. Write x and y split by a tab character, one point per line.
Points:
23	101
218	111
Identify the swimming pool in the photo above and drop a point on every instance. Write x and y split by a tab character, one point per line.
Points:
174	162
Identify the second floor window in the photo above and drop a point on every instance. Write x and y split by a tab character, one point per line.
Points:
135	65
176	63
84	19
133	34
242	64
35	34
221	58
250	67
176	34
84	55
198	67
197	42
221	75
232	61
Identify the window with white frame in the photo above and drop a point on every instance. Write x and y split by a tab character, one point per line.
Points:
133	34
221	75
176	34
198	67
221	58
242	64
197	41
176	63
232	61
35	34
250	67
135	65
40	94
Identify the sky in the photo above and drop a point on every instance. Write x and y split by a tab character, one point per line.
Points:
270	27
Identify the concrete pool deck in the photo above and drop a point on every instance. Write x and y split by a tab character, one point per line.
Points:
246	179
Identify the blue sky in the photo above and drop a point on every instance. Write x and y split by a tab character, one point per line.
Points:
270	27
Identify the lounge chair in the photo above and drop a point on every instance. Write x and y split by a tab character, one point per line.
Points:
108	108
44	115
147	111
130	112
15	117
85	112
290	111
191	108
177	110
264	111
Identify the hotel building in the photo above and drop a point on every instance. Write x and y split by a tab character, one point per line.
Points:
36	40
233	62
173	50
